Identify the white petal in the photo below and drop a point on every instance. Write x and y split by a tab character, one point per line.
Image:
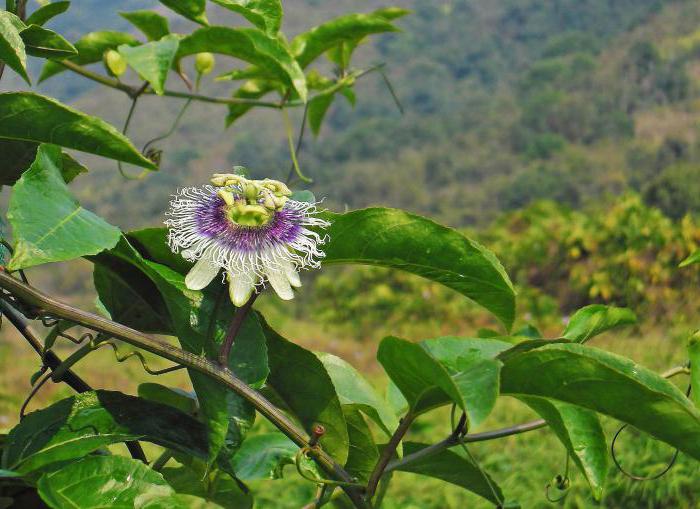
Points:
279	282
201	274
240	288
292	274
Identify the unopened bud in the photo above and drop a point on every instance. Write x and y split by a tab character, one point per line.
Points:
204	63
114	63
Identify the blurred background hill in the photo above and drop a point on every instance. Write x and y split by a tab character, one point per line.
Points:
563	134
590	104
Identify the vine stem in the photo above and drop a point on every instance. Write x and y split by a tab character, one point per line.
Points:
234	329
132	91
51	360
50	306
388	453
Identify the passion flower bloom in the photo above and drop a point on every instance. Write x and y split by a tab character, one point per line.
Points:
249	228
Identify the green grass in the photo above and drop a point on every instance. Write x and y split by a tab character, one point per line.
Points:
523	465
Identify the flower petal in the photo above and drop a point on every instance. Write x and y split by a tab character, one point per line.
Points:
201	274
291	273
279	282
240	288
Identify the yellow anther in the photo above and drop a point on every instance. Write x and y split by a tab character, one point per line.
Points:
227	196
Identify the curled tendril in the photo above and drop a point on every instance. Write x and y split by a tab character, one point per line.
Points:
35	389
304	453
95	342
670	463
561	482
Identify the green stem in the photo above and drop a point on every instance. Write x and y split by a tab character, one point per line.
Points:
387	453
161	460
131	91
52	307
292	150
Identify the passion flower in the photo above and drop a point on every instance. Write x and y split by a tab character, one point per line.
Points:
249	228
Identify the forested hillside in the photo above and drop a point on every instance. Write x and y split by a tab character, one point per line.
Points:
505	102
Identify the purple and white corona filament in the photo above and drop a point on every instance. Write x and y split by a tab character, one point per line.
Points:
249	228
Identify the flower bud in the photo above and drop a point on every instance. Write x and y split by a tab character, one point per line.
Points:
204	63
114	63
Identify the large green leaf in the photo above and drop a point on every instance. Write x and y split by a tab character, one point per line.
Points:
453	466
46	12
353	389
582	435
44	43
48	223
299	378
310	45
12	50
397	239
195	10
32	117
693	258
363	453
264	456
130	298
176	398
200	320
91	48
606	383
212	487
265	14
250	45
98	482
318	107
442	371
153	25
76	426
595	319
153	60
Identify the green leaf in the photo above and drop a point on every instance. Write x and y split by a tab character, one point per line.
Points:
253	89
177	398
48	223
76	426
153	60
153	25
353	389
694	358
363	453
582	435
265	14
300	379
446	370
194	10
210	487
264	456
318	106
250	45
452	466
595	319
91	47
32	117
693	258
71	168
12	50
131	299
97	482
310	45
397	239
200	321
609	384
44	43
8	474
46	12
